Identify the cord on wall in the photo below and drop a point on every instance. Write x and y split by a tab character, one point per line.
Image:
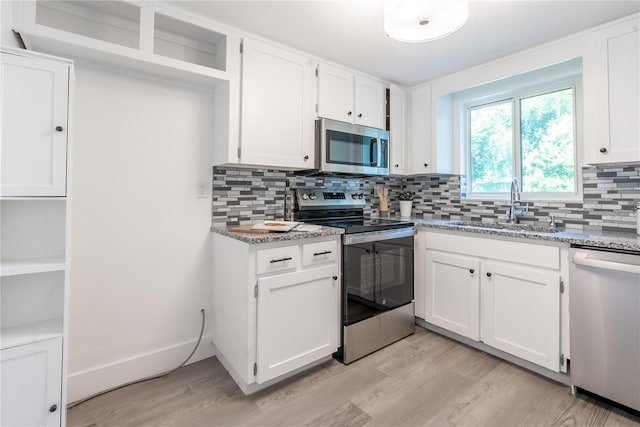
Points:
74	404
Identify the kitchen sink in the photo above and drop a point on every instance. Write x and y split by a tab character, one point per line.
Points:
506	226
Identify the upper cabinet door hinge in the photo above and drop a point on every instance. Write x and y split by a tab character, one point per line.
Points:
255	369
561	359
561	286
241	47
255	291
316	71
239	152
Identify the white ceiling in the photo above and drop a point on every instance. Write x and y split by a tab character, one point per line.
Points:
350	32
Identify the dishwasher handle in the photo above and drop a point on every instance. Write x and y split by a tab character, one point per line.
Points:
582	258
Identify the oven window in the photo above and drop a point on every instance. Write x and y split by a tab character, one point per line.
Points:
348	149
378	276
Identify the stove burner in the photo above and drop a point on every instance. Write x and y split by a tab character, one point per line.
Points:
340	209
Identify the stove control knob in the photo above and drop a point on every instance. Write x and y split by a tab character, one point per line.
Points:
305	196
312	196
354	196
360	195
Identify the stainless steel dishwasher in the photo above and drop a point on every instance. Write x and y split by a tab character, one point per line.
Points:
605	323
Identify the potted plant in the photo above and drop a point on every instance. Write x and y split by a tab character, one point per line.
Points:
406	202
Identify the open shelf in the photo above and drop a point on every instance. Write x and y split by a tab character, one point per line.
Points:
189	43
32	230
29	266
143	36
109	21
31	299
31	332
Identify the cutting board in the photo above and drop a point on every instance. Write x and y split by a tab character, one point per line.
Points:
247	229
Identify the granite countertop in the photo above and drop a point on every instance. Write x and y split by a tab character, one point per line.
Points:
598	239
276	236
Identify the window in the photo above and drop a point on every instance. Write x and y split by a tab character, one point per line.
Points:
526	134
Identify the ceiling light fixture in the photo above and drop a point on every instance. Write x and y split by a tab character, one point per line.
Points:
417	21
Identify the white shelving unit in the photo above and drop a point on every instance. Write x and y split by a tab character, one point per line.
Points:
145	36
34	237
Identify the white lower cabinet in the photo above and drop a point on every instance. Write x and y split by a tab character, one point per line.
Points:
521	312
31	384
453	293
505	294
297	314
276	306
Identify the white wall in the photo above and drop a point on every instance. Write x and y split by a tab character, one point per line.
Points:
140	240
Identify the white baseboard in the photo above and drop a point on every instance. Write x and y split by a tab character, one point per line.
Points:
91	381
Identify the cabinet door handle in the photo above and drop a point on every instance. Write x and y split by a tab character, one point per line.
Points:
396	165
426	165
53	408
360	115
603	150
321	253
280	260
335	277
488	274
471	270
306	158
59	128
349	113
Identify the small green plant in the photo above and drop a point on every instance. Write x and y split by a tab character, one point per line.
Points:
406	195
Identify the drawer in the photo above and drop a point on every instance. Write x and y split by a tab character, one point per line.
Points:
319	253
518	252
277	259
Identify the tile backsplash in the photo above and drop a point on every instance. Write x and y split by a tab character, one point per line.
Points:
243	196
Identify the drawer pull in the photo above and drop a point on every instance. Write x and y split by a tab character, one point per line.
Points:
273	261
335	277
322	253
471	270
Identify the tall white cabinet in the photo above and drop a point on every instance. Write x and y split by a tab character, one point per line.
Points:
35	227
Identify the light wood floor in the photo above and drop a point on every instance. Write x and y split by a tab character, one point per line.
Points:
424	379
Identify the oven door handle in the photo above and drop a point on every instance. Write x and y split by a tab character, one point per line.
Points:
377	236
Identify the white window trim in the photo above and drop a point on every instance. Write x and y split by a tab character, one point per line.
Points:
515	94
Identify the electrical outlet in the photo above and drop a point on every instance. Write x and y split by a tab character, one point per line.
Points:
203	190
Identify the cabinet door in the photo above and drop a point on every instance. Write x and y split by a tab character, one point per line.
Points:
31	384
369	102
35	92
421	161
398	130
277	107
612	94
335	93
298	320
452	297
521	312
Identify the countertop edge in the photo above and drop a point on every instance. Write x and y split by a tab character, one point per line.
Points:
277	237
622	241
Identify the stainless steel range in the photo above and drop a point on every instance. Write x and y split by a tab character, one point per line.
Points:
377	269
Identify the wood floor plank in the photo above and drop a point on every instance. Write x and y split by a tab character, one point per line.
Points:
424	379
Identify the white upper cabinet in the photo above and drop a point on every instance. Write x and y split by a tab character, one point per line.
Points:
421	140
350	97
398	120
35	93
369	102
278	98
612	96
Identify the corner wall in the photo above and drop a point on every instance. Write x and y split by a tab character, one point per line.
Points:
140	250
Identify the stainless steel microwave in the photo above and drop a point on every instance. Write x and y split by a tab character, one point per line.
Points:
353	149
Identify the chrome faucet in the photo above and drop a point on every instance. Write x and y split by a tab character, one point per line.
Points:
514	202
